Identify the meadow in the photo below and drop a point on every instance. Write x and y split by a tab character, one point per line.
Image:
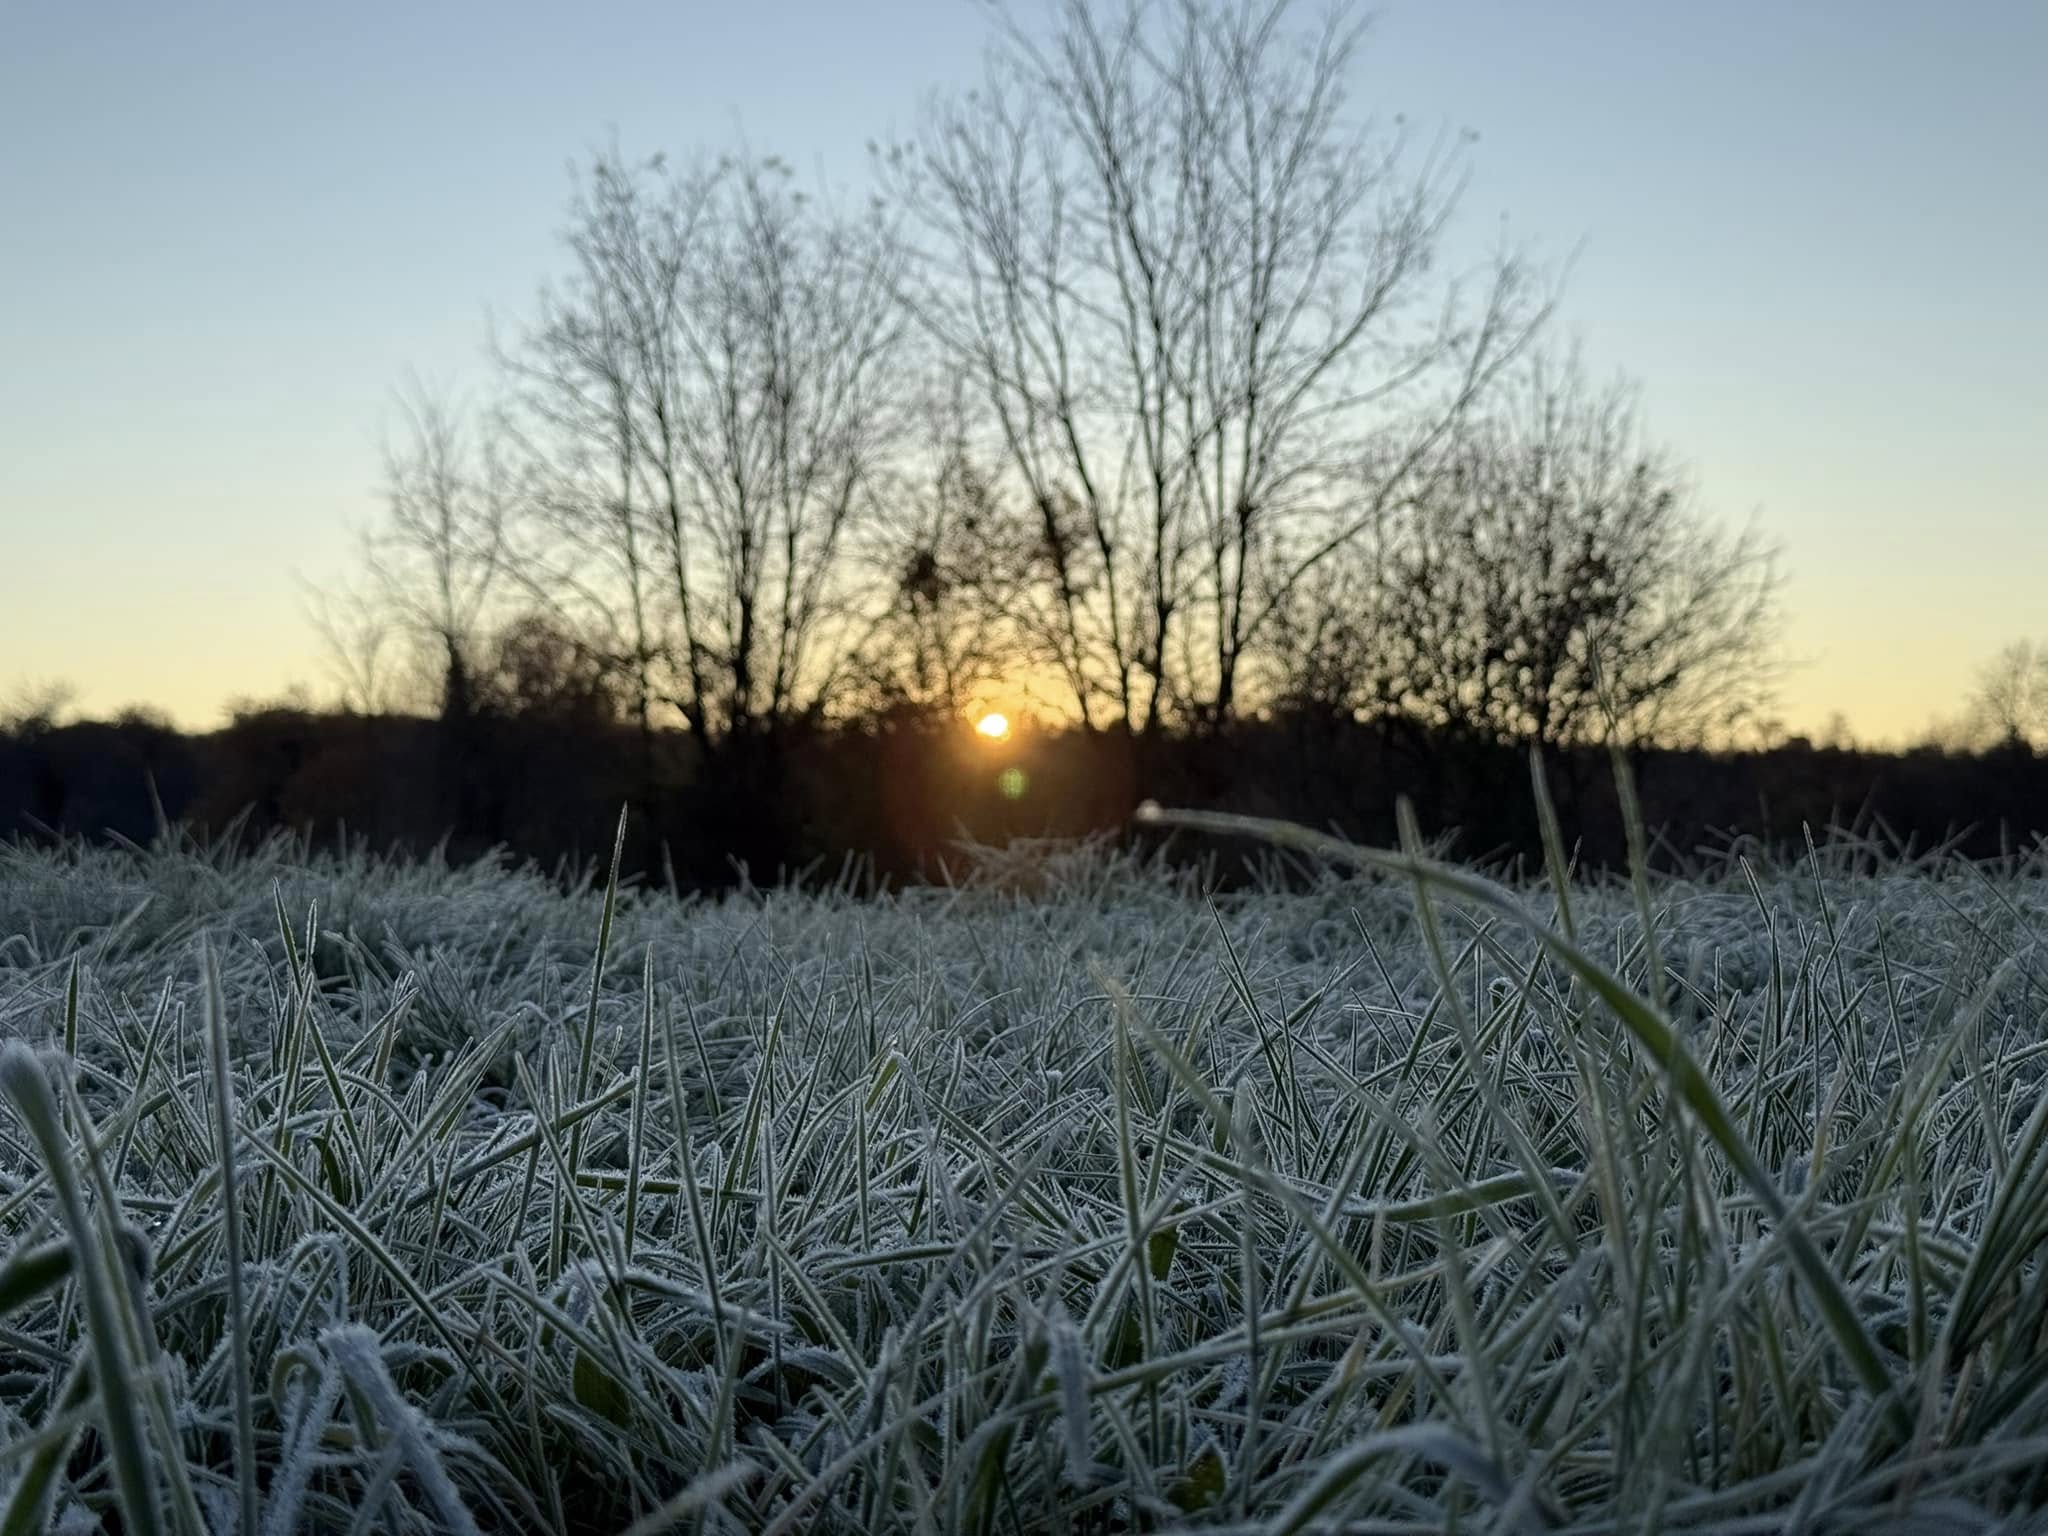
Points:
341	1193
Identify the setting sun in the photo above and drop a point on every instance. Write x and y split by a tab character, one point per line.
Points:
994	726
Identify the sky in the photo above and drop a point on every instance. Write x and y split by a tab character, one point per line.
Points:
1814	233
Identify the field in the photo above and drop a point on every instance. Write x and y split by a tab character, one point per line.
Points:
396	1197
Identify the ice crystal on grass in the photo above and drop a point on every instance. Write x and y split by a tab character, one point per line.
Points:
1072	1198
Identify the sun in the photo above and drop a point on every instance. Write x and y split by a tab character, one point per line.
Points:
996	727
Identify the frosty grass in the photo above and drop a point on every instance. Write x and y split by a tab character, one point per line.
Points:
1068	1199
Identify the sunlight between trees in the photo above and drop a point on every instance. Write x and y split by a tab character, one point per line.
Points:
1143	376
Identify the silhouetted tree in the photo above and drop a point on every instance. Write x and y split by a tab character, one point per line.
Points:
1203	314
2010	705
37	708
534	671
357	630
709	400
1551	582
949	626
437	563
593	395
434	576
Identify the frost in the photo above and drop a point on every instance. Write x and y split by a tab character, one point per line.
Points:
905	1168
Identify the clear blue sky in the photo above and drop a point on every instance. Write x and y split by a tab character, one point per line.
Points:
1815	231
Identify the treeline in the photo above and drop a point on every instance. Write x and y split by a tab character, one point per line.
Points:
1143	393
1145	384
891	799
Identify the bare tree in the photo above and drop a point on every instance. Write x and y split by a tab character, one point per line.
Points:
946	625
437	561
1552	582
2010	706
595	400
792	359
357	632
711	399
1201	308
